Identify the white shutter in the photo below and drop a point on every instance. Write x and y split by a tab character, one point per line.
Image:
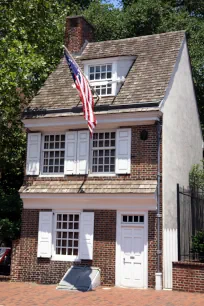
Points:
86	235
70	153
83	152
33	154
123	150
45	234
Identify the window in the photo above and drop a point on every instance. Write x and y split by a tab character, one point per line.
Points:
130	219
99	76
103	152
67	234
53	153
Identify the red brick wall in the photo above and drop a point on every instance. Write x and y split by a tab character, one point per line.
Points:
27	267
77	31
143	160
188	276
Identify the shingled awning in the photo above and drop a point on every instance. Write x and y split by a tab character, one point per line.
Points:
91	187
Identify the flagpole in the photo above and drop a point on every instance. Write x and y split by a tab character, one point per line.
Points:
81	72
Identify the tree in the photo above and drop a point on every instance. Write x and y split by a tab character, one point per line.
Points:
31	37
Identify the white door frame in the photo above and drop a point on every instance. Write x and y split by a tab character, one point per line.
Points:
118	268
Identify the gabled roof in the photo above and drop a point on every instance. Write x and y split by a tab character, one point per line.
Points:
145	84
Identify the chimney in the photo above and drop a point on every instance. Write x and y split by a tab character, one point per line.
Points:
77	31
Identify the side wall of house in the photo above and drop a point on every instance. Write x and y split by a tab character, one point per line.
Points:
182	147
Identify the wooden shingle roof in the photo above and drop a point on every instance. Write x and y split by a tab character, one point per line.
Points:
145	83
91	187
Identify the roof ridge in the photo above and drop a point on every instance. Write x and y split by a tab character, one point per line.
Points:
135	37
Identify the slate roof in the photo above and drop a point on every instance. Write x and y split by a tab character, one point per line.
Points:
91	187
145	83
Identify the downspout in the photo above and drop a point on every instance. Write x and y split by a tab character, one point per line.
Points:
158	275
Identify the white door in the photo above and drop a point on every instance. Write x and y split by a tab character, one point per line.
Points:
132	256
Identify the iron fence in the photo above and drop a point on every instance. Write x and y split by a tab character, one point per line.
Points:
190	212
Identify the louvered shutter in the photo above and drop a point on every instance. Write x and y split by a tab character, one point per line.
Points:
83	152
70	153
45	234
123	151
33	154
86	235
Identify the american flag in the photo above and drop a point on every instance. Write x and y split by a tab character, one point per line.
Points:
84	90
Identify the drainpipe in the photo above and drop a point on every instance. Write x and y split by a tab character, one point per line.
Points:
158	274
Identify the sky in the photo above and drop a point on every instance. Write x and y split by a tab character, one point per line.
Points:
114	2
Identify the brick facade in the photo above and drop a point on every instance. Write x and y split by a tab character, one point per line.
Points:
188	276
143	160
26	266
77	32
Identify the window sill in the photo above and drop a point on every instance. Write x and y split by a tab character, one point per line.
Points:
102	174
51	175
65	258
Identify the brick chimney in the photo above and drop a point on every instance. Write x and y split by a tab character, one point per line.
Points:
77	31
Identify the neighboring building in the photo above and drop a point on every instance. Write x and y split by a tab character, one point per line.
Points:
94	201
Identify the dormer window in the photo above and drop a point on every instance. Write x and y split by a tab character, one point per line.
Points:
100	77
106	75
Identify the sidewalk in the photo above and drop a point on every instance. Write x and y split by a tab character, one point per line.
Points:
31	294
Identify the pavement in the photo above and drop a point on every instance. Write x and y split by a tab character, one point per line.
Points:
24	294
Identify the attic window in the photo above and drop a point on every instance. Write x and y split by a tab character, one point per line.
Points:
100	77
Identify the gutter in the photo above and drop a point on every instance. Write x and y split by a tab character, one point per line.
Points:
158	274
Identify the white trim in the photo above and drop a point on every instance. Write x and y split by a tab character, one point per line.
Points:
170	254
118	244
138	202
102	174
104	121
54	256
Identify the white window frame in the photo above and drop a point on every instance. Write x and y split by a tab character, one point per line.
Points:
58	257
54	174
91	155
113	80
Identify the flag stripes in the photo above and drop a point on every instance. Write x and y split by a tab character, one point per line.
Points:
84	90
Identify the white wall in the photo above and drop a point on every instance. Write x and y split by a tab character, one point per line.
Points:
182	147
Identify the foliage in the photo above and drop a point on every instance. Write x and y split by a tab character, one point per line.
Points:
198	245
10	213
196	177
31	37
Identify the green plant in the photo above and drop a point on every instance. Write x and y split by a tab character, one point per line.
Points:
196	177
198	245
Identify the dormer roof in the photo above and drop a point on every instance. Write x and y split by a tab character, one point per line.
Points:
145	84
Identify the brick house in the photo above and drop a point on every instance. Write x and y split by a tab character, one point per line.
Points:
95	201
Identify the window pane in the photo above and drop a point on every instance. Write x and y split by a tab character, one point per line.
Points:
104	159
103	91
103	68
52	151
98	68
91	69
109	75
91	77
97	76
103	75
109	67
109	91
67	234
